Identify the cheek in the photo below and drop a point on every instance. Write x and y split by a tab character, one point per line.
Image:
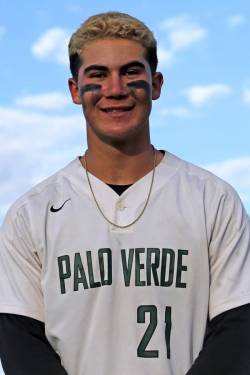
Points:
92	88
140	85
141	90
90	94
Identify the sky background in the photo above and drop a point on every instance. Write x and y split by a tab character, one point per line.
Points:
203	115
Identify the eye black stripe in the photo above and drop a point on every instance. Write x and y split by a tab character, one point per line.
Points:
90	87
140	84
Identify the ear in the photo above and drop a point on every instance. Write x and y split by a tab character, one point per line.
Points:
157	82
75	94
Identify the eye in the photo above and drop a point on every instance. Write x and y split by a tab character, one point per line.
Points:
132	72
99	75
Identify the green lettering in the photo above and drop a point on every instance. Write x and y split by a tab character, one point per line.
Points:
180	269
127	266
105	279
167	267
92	282
64	271
138	267
153	265
79	273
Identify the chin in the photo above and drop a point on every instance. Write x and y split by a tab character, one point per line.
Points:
116	139
120	132
124	138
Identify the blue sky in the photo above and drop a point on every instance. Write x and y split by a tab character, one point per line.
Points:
202	116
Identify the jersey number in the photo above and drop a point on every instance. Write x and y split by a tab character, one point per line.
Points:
141	317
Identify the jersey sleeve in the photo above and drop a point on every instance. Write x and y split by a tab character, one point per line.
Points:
229	255
24	348
226	346
20	269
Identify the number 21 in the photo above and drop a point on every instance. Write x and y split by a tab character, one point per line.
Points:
141	317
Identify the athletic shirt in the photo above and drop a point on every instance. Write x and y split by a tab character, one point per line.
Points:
126	301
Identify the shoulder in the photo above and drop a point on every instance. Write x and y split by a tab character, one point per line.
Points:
194	175
202	188
46	191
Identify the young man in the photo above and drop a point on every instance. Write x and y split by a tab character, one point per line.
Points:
127	256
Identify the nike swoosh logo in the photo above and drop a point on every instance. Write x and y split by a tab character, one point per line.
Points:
52	209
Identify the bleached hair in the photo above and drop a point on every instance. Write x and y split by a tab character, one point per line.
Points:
107	26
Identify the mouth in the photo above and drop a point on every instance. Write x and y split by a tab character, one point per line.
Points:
117	109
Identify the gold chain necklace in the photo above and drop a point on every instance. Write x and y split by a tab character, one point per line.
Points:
98	205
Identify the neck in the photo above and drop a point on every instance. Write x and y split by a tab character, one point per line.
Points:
123	165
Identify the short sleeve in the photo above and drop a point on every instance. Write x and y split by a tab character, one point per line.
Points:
229	255
20	269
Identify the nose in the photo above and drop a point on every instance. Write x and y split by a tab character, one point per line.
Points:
115	86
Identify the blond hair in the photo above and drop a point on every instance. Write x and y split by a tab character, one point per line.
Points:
111	25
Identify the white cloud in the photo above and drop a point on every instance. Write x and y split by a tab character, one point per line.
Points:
19	127
45	101
199	95
233	169
183	32
180	112
237	173
235	20
52	45
246	96
165	56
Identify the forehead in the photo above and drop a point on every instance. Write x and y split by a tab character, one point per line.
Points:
112	52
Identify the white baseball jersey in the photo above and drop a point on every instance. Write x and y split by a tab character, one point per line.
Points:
126	301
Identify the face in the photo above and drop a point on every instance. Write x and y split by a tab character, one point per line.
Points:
115	88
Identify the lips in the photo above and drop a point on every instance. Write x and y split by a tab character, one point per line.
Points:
117	109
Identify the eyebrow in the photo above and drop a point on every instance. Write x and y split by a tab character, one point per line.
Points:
133	64
95	67
104	68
